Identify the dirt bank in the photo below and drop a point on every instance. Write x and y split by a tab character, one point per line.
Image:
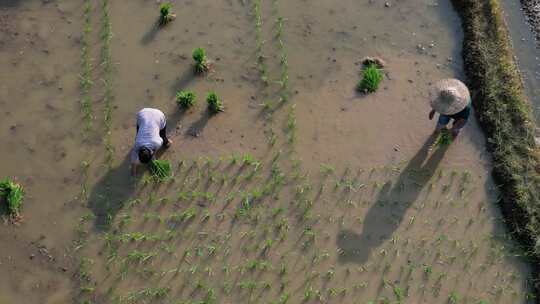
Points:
504	113
532	10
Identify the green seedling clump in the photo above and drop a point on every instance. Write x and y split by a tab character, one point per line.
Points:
214	103
165	14
371	78
13	194
161	169
201	62
185	99
444	139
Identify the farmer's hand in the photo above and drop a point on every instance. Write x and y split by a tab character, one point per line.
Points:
168	144
431	114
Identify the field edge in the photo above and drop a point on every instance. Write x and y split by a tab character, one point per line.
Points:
505	115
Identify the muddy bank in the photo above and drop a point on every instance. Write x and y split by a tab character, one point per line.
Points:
504	114
532	10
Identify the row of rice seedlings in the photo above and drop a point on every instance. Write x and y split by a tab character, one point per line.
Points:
86	77
84	268
283	59
263	68
106	62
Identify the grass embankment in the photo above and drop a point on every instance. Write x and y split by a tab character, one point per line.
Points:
505	115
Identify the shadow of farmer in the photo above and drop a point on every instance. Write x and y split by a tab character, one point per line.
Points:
198	126
151	34
386	214
183	81
110	193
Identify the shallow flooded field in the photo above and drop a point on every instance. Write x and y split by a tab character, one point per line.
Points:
302	191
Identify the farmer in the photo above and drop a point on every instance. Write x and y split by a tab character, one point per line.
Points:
451	99
151	136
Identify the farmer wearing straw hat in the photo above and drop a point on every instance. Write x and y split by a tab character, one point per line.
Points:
452	100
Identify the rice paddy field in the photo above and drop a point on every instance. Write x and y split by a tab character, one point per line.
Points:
303	190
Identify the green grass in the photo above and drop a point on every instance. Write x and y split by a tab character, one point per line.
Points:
161	170
201	61
215	104
13	194
371	78
186	99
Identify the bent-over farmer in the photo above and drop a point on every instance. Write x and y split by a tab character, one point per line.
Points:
452	100
151	136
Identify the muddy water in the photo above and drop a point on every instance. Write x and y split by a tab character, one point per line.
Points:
389	222
39	138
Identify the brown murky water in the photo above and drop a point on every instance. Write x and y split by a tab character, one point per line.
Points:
341	202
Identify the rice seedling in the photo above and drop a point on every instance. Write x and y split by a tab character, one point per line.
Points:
140	256
161	170
371	78
183	216
399	293
201	61
215	104
453	298
186	99
149	292
13	194
165	13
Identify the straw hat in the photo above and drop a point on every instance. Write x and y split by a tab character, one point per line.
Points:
449	96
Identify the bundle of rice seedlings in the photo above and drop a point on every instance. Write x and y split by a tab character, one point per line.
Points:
161	170
215	105
185	99
371	78
444	139
13	194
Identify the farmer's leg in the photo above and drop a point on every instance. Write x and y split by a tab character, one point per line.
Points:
457	126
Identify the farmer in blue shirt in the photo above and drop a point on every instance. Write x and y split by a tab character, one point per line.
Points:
452	100
151	136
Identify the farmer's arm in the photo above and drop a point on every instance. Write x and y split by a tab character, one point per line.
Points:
431	114
163	135
134	160
133	169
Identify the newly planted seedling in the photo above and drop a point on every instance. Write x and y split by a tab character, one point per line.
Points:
13	194
165	13
214	103
185	99
371	78
201	62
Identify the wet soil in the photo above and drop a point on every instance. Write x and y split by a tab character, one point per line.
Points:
363	211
